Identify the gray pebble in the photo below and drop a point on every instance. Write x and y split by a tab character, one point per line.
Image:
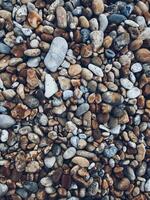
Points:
6	121
56	54
33	62
83	108
4	48
110	151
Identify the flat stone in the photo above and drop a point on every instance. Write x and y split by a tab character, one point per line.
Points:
61	16
126	83
133	93
56	54
83	108
69	153
116	18
96	70
50	86
82	162
6	121
103	20
49	162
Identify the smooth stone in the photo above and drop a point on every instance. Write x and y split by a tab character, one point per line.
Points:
4	48
4	135
147	186
82	162
74	141
7	5
50	86
116	18
136	67
103	20
56	54
32	167
67	94
126	83
116	130
83	108
110	151
6	121
130	173
61	16
69	153
43	120
133	93
33	62
3	189
96	70
31	186
46	181
131	23
141	22
49	162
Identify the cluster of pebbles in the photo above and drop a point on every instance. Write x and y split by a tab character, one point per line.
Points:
74	99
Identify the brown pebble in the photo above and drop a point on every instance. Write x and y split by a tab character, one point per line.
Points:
74	70
21	111
34	19
143	55
98	6
136	44
123	184
57	175
66	181
86	51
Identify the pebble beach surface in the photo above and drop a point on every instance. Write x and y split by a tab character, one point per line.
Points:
74	100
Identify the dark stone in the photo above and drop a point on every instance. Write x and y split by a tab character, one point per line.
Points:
7	5
66	181
57	175
121	41
118	111
31	186
116	18
22	193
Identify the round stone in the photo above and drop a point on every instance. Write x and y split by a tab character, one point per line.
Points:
69	153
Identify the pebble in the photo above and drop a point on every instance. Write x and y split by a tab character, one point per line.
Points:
116	18
123	184
97	38
32	167
31	186
126	83
56	54
46	181
31	101
134	92
143	55
61	16
4	48
96	70
22	193
34	19
98	6
109	53
4	135
6	121
83	108
3	189
103	20
50	86
49	162
147	186
69	153
21	14
136	67
32	52
82	162
67	94
74	141
113	98
110	151
33	62
121	41
74	70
